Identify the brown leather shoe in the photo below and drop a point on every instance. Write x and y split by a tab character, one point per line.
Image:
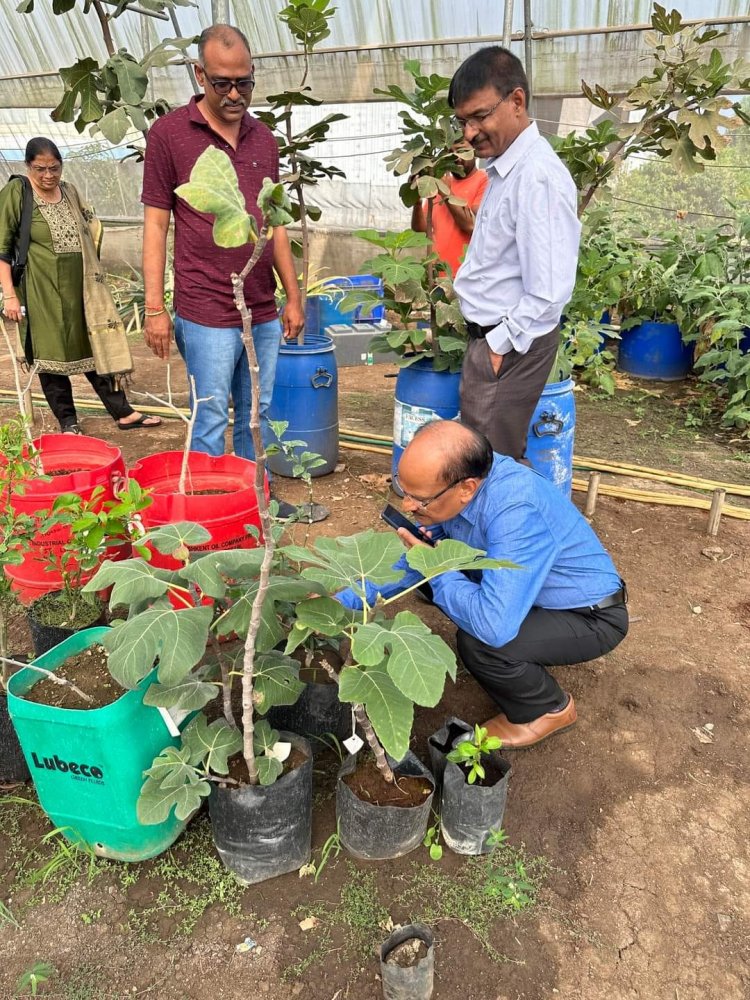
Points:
521	735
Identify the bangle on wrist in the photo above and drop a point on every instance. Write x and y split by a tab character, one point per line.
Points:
6	297
149	313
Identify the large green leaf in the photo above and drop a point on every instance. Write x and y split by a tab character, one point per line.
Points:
347	561
270	633
115	125
418	660
269	769
132	81
389	711
131	580
155	803
274	204
211	572
176	638
213	188
80	84
323	615
451	554
175	538
276	680
188	695
172	768
212	744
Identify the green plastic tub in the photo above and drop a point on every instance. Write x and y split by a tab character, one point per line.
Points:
87	765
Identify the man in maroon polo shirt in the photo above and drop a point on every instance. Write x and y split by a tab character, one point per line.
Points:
207	327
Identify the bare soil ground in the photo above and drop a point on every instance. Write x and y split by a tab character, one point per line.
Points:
640	812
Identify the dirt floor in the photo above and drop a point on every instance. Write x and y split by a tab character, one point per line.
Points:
634	824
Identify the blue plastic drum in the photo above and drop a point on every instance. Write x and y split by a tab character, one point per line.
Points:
549	447
422	395
306	396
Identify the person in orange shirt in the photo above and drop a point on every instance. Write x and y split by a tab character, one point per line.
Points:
452	225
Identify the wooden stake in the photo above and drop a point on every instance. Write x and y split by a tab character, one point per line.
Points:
591	494
714	515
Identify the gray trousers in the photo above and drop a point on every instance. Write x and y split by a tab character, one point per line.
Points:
501	406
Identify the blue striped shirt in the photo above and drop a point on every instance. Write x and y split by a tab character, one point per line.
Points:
520	516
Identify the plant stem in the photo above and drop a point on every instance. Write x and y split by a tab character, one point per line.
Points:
49	674
4	645
361	716
226	680
377	750
248	727
431	284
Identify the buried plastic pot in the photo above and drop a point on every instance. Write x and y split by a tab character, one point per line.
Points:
13	766
378	832
407	963
261	831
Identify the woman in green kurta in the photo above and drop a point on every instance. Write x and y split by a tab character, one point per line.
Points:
68	323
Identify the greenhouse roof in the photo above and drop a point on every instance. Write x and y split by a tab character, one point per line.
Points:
601	41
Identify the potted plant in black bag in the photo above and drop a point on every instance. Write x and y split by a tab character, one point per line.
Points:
383	796
259	782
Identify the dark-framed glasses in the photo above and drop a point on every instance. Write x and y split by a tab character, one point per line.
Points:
40	171
476	120
222	86
423	502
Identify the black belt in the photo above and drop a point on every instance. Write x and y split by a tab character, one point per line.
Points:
619	597
477	332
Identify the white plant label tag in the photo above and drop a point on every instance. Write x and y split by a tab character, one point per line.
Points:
353	744
170	722
280	751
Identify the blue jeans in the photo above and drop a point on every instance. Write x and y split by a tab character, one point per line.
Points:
216	358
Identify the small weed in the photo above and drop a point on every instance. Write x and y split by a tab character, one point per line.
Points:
328	852
91	917
85	982
432	839
190	880
358	914
6	917
331	742
30	980
741	456
483	891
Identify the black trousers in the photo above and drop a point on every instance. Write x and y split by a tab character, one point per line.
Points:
515	674
59	394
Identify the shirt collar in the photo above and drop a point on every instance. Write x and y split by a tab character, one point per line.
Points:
247	122
504	163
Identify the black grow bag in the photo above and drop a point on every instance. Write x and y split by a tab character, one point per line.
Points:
13	765
316	712
413	982
376	833
46	637
263	831
442	742
469	814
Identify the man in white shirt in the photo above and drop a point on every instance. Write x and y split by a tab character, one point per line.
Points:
520	267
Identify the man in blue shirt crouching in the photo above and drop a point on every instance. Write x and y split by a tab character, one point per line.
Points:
566	604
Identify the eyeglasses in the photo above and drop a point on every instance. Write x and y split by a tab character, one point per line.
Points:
57	169
223	87
423	502
476	120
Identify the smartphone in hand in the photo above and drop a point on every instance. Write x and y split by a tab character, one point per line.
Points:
395	519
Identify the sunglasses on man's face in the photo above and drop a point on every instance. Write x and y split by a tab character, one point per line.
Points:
223	87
